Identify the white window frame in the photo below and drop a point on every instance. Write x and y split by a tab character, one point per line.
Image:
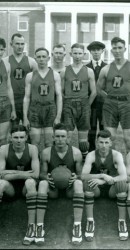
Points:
61	30
19	29
110	30
85	30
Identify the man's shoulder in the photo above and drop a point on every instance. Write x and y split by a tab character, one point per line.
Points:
4	149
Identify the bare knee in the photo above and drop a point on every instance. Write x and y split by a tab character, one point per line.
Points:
78	186
43	187
30	185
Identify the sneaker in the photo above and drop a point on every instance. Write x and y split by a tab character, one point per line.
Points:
89	233
39	237
30	235
77	234
122	227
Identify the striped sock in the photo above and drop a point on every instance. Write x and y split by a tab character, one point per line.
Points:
121	203
41	207
31	206
78	203
89	202
128	207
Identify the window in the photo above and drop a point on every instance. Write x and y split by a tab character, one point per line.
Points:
22	23
109	27
85	26
61	27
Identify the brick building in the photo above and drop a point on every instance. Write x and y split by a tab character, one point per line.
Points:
48	23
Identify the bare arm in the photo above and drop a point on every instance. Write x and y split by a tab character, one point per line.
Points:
102	81
92	86
10	91
45	155
33	173
33	63
128	166
26	99
58	96
78	161
86	171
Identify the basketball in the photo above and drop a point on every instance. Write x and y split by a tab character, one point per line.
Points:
61	176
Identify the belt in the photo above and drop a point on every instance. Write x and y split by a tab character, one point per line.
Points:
118	98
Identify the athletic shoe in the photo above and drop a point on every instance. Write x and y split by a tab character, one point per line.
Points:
30	235
122	227
39	237
89	233
77	234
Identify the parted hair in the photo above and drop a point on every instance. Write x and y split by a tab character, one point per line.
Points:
104	134
117	40
17	128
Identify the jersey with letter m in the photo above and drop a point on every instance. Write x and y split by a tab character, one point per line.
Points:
19	70
76	85
43	89
118	81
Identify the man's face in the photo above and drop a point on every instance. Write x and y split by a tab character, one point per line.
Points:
60	138
104	144
118	50
2	50
18	139
58	55
42	58
77	55
96	53
18	45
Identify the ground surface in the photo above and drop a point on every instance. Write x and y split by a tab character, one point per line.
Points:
59	221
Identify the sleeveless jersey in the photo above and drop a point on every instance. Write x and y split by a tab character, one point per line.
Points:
43	89
67	160
107	167
19	70
3	79
118	81
76	85
14	163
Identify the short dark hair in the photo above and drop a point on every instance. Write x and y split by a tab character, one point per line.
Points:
16	34
17	128
2	42
117	40
59	45
77	45
60	126
42	48
104	134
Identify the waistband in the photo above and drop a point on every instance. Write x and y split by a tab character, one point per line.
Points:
42	104
119	98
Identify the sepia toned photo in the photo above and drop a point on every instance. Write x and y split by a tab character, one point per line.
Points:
64	125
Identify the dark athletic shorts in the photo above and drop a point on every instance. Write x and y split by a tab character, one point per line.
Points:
42	116
115	111
76	112
5	109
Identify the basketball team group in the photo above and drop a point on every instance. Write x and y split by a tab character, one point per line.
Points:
40	108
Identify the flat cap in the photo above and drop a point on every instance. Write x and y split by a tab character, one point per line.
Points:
96	44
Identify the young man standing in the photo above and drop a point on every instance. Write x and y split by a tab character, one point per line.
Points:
43	94
96	49
114	85
20	65
77	79
7	107
19	170
61	153
104	169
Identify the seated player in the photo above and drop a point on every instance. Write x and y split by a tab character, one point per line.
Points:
19	169
104	170
61	153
